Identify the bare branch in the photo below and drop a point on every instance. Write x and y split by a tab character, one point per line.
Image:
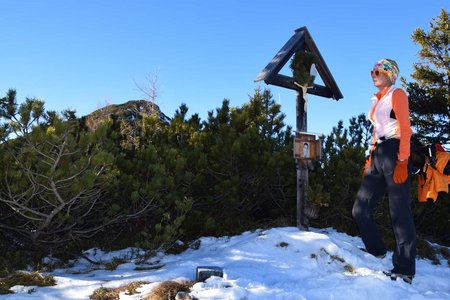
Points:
150	87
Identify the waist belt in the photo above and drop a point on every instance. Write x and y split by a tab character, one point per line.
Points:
384	139
381	139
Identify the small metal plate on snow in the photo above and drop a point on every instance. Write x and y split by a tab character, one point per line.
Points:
204	272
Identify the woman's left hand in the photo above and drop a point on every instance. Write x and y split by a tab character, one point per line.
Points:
401	171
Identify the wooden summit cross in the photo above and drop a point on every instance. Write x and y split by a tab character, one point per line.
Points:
306	147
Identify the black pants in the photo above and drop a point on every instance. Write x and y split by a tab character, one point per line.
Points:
378	180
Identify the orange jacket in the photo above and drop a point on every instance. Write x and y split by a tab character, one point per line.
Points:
436	181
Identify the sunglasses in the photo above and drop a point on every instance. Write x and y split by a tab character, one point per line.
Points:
377	72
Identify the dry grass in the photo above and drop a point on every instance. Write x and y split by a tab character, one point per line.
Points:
25	279
105	294
114	263
113	293
167	290
334	258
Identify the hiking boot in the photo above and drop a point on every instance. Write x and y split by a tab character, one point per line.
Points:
394	276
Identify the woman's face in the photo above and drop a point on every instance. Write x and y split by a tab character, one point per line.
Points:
381	80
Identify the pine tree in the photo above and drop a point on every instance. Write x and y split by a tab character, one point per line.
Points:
429	95
337	177
57	179
244	171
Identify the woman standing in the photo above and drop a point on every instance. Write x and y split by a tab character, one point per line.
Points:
387	170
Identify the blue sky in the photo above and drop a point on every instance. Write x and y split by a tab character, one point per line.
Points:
84	54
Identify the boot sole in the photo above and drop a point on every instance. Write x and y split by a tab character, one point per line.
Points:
406	278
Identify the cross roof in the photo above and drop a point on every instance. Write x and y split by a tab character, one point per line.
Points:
301	40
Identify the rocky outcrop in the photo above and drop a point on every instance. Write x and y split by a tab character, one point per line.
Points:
128	112
128	116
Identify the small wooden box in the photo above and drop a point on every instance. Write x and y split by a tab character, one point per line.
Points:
307	147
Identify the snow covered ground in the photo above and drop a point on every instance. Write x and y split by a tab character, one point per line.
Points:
280	263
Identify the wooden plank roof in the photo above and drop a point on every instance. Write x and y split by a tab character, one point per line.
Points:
301	40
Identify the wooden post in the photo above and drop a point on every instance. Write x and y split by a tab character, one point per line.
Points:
302	168
303	42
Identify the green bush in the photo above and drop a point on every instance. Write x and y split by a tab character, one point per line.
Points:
179	180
